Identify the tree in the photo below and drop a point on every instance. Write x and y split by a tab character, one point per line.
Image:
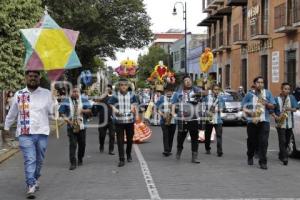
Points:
15	15
105	25
149	61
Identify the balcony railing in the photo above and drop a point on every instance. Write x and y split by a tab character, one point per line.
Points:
237	2
282	19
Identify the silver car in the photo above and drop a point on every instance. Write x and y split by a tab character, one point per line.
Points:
232	111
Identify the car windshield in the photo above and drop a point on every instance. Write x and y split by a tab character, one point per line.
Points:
231	97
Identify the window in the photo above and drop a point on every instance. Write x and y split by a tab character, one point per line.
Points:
296	11
236	32
254	22
176	56
220	76
182	58
244	74
244	25
227	76
221	33
279	16
228	29
265	16
291	68
264	69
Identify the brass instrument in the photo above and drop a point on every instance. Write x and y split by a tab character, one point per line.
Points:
259	109
168	115
283	115
75	120
211	111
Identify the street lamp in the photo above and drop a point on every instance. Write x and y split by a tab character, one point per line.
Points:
185	29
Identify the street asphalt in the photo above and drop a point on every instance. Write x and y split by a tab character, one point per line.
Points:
152	176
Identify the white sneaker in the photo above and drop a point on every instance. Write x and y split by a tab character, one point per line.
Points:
37	186
30	192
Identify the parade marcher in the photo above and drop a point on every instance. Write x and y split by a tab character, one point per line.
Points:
75	110
32	107
214	106
257	106
185	103
167	122
286	104
105	120
124	108
156	96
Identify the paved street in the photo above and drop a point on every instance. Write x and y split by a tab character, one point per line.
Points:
99	178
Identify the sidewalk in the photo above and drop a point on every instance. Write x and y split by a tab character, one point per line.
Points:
7	151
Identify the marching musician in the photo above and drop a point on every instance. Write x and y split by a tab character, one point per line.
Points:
257	106
75	111
185	103
167	122
214	105
285	105
124	108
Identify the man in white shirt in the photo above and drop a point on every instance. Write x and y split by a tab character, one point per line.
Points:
32	107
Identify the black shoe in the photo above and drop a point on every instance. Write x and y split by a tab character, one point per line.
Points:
250	161
178	154
72	167
80	163
285	162
101	149
111	153
207	152
121	164
129	159
263	166
220	154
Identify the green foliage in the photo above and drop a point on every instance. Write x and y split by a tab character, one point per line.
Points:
105	25
149	61
15	15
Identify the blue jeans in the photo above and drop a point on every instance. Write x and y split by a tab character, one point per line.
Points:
33	148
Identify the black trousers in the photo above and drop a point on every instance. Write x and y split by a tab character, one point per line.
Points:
129	131
219	132
258	133
190	127
168	136
76	139
284	136
111	133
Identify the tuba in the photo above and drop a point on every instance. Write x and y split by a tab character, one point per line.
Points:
283	115
75	119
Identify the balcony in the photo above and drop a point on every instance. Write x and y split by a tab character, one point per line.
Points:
209	20
224	11
260	36
211	5
237	2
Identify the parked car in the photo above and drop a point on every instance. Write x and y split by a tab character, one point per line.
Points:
294	145
233	108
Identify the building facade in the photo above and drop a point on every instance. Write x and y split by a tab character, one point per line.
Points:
254	37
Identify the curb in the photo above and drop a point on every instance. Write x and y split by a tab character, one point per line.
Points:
12	151
9	153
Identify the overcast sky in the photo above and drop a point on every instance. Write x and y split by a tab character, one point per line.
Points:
160	12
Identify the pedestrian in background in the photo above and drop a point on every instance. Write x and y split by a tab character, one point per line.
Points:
32	107
75	111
